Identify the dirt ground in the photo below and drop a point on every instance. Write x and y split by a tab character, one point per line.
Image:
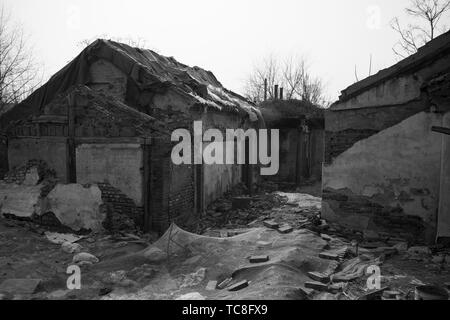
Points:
189	265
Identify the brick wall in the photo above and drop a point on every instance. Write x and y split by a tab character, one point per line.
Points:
171	187
344	128
388	219
122	213
339	142
389	178
51	150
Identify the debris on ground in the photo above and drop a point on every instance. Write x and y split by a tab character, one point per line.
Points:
85	258
20	286
60	238
247	247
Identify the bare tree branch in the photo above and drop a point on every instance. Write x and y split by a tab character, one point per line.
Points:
428	14
293	75
18	71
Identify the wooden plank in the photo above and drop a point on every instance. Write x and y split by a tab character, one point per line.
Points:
441	130
298	157
71	147
101	140
238	286
147	194
259	259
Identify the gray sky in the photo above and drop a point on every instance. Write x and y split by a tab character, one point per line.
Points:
225	36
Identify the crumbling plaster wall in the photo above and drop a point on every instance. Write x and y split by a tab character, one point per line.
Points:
76	206
398	167
221	178
382	166
118	164
51	150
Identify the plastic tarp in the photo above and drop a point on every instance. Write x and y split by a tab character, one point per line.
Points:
147	70
292	256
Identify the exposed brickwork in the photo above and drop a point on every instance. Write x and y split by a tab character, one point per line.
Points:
339	142
182	193
47	176
390	220
171	188
122	212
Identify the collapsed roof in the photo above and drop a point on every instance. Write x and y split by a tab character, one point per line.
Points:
147	70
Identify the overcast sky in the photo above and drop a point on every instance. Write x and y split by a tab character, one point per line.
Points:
225	36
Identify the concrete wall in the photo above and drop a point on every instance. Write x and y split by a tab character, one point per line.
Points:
397	170
118	164
51	150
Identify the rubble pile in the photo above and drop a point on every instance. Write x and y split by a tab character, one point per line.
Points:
238	212
23	189
31	193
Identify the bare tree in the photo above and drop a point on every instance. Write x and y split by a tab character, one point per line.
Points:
268	70
292	75
18	71
428	15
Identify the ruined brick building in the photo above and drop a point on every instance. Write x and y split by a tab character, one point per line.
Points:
106	118
301	127
386	169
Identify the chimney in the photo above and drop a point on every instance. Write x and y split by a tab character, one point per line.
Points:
265	89
281	93
276	92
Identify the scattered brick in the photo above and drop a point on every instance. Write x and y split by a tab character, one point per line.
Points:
224	283
238	286
259	259
320	277
285	229
374	294
316	286
329	256
326	237
271	224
